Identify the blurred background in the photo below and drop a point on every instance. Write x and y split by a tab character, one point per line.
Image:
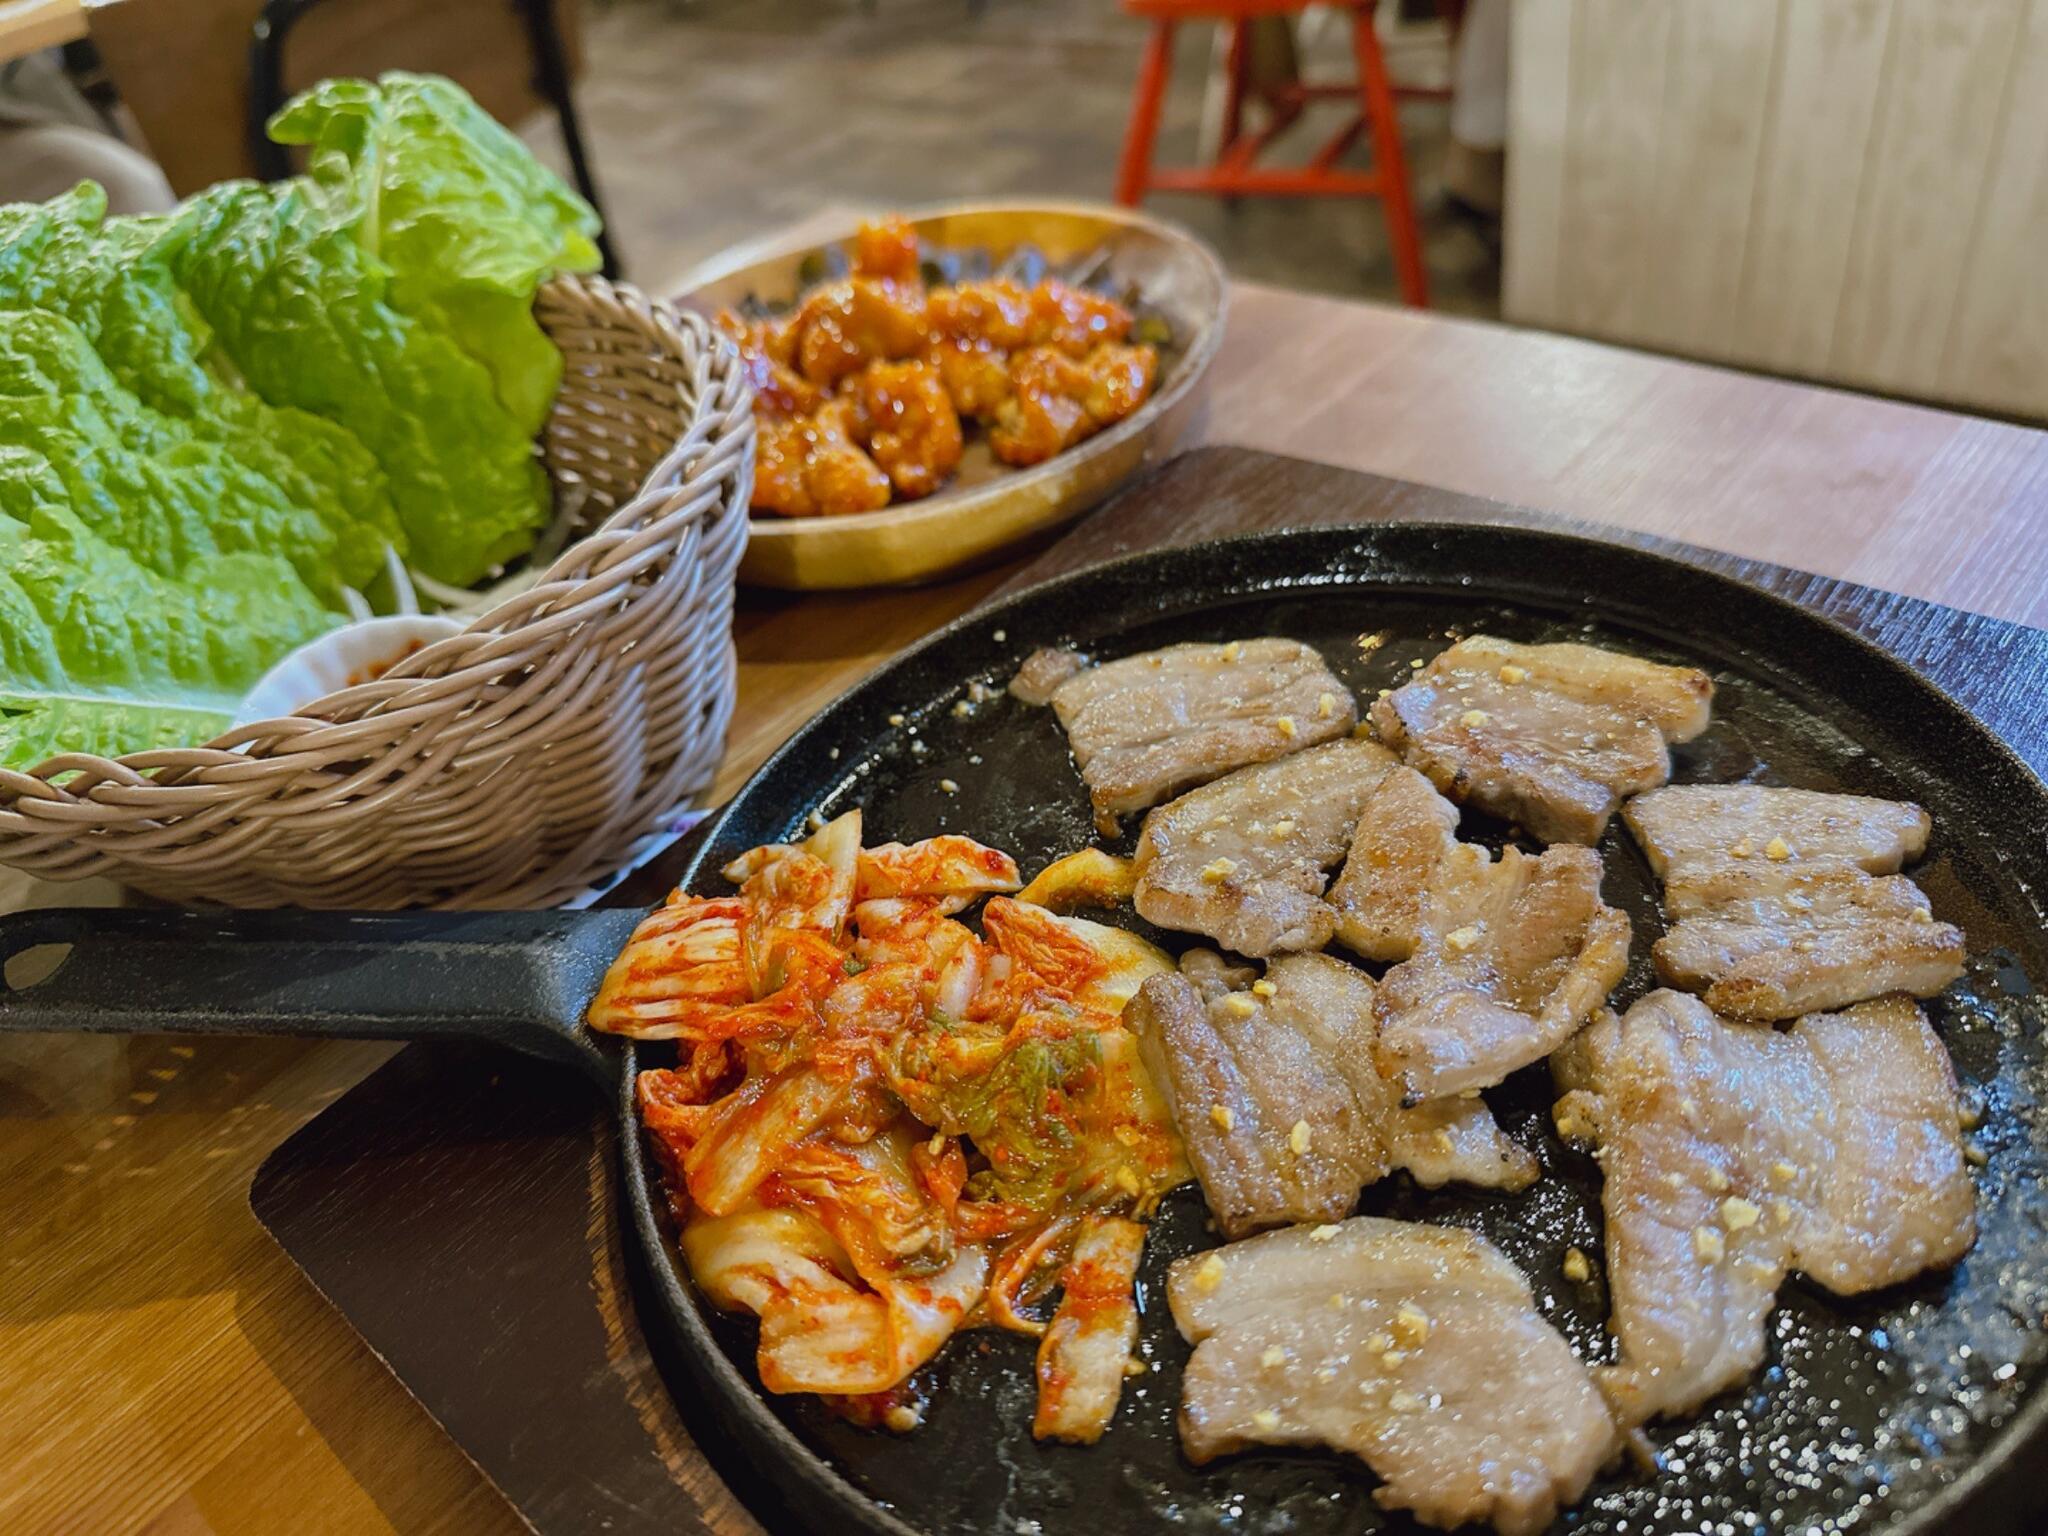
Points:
1854	191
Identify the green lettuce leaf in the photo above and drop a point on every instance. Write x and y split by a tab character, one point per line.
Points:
468	223
123	660
99	651
301	314
205	465
216	423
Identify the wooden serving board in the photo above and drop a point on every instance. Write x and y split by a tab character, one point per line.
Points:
458	1207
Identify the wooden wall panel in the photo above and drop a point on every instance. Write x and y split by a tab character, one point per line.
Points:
1619	50
1948	69
1539	101
1715	107
1852	190
1999	336
1803	210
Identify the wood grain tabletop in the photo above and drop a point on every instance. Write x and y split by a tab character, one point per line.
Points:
28	26
164	1368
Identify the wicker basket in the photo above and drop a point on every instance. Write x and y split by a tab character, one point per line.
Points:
511	764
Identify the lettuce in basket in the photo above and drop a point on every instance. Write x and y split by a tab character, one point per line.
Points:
465	219
119	417
217	423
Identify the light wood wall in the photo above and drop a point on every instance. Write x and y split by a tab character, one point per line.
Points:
1850	190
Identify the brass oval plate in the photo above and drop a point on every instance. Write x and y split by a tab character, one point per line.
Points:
988	506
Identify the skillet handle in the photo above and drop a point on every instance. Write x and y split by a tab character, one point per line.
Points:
517	979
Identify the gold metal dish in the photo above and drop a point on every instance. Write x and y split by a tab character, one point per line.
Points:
987	505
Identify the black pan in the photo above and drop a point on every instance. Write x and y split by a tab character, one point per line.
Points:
1916	1410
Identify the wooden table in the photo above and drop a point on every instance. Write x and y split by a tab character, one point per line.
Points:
29	26
164	1369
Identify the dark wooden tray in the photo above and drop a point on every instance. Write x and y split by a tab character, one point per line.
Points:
458	1207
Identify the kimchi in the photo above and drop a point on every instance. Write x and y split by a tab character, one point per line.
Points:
885	1126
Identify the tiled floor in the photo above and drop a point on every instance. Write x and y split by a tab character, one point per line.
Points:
721	120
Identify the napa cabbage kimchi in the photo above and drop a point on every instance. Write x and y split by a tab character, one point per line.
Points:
884	1127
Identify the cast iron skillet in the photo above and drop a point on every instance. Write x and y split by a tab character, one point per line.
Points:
1911	1411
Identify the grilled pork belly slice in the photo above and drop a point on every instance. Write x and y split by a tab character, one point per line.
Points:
1244	860
1551	736
1691	823
1515	956
1848	938
1501	960
1041	673
1083	1352
1404	837
1788	901
1416	1348
1146	727
1733	1154
1283	1115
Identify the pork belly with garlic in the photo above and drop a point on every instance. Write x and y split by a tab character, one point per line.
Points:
1245	860
1416	1348
1554	737
1283	1114
1733	1154
1500	960
1144	728
1790	901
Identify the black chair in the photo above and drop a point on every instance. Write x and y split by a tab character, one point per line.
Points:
551	82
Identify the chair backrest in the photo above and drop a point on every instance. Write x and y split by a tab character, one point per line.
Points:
182	66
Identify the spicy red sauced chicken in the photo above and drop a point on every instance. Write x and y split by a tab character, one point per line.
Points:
861	389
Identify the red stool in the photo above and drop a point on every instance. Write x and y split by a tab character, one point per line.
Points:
1234	173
